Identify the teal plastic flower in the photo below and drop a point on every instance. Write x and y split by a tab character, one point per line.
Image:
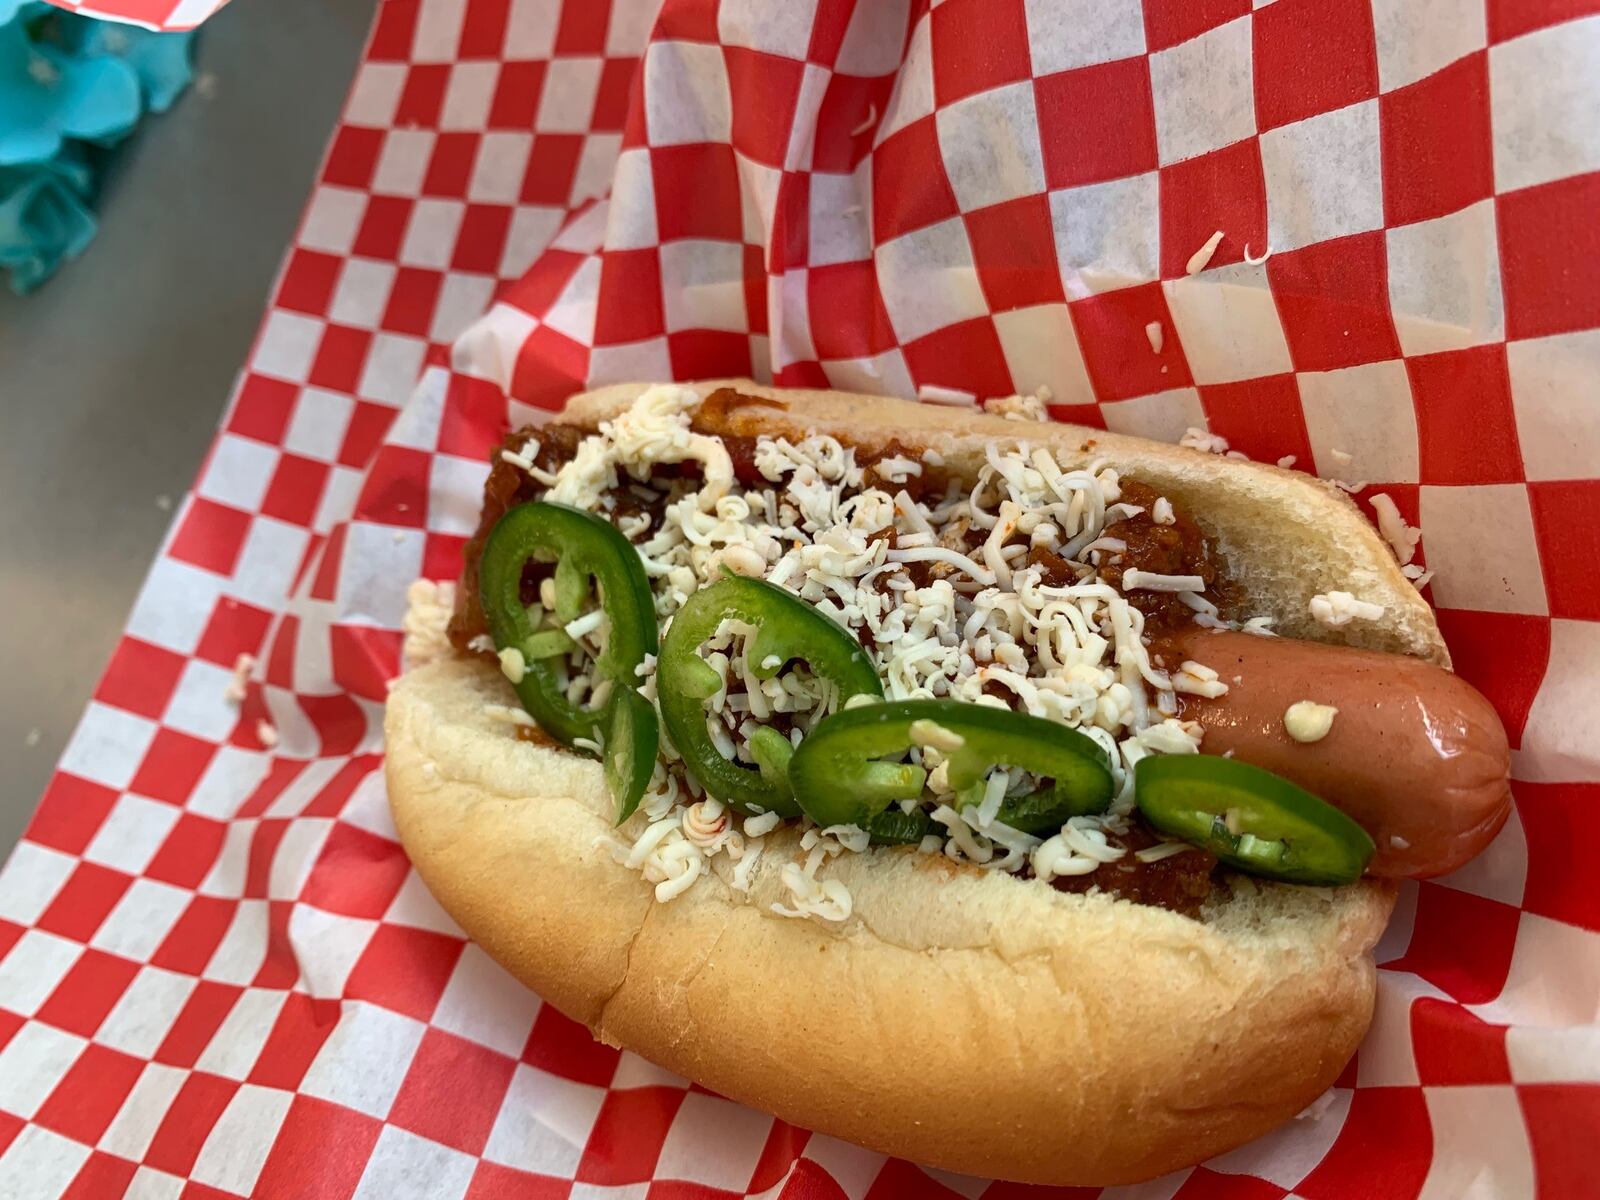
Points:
161	60
46	96
44	217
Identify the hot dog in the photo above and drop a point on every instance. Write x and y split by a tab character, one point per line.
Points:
1415	754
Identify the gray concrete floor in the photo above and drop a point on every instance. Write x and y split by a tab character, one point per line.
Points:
114	374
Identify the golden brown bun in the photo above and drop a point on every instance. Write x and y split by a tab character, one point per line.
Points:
969	1020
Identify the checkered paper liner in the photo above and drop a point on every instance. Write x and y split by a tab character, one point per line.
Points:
152	14
218	975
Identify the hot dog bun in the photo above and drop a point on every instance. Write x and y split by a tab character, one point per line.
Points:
975	1021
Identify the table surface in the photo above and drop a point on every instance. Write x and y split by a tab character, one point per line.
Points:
114	374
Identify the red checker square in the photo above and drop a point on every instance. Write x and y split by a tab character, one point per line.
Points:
544	281
628	1133
1193	192
280	967
790	248
688	21
966	356
1561	1120
483	29
449	170
172	766
321	1141
413	297
197	1023
1213	1185
517	93
303	1025
899	1179
1079	414
1260	417
1461	943
404	969
368	423
475	418
308	281
353	157
1312	56
551	366
635	131
339	721
485	229
582	29
441	555
709	354
491	1181
83	1103
340	358
197	934
1333	299
87	992
262	408
848	319
563	1047
611	97
1503	655
89	894
763	89
1383	1152
199	1191
909	186
453	1091
828	30
357	874
779	1156
140	678
393	33
190	1116
847	101
978	45
234	628
9	1022
1438	154
1466	429
383	227
1566	521
210	536
1550	257
1097	122
279	666
697	190
635	274
1511	18
802	374
332	797
9	1126
755	290
552	166
1014	246
101	1175
364	659
1168	22
69	813
1560	822
1453	1046
296	489
422	97
263	847
396	490
1115	349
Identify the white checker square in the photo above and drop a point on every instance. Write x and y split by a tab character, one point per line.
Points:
628	32
237	1043
993	141
141	920
872	39
267	563
455	493
635	1072
32	1063
758	198
430	239
414	906
403	161
1387	1058
438	31
227	782
320	420
41	1163
362	293
368	807
332	944
1444	281
1501	871
375	94
468	95
286	345
150	1184
1554	979
714	1142
373	560
483	1003
338	498
840	218
596	161
238	472
1041	349
689	82
143	1015
1479	539
631	215
1204	93
403	1164
1570	1055
1555	391
142	1112
928	280
798	154
108	746
1292	1151
497	172
297	853
227	874
1480	1143
1544	94
1228	323
883	374
383	1041
1163	417
243	948
197	706
29	881
649	359
332	219
1064	34
174	605
236	1148
531	29
394	364
567	102
1366	412
702	285
1107	234
912	97
1415	38
1324	177
586	232
853	1168
573	310
784	30
544	1123
32	968
1558	740
132	833
789	313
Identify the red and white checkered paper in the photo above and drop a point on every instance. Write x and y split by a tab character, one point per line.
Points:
219	977
152	14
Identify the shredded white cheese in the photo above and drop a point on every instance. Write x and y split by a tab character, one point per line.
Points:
1402	538
1340	608
428	608
1307	721
1198	439
1198	260
1157	336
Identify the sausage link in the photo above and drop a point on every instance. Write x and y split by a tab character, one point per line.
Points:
1416	754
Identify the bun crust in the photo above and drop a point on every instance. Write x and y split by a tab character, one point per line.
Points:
966	1019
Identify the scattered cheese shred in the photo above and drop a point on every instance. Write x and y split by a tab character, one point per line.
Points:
1157	336
1198	260
1340	608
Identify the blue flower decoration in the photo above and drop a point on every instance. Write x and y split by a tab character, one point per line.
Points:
46	96
44	219
161	60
